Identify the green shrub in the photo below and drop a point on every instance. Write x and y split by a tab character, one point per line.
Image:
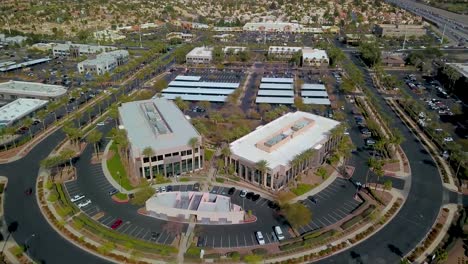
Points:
351	222
294	245
209	154
121	196
301	189
184	179
64	211
220	180
312	235
17	250
212	256
320	237
53	197
193	252
49	184
260	251
234	255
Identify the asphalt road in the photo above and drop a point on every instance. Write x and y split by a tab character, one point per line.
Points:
416	216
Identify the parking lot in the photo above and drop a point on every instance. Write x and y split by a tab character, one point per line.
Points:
213	75
332	204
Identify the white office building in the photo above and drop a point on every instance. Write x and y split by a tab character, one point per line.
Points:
314	57
13	90
108	35
284	52
18	109
200	55
104	62
273	27
76	50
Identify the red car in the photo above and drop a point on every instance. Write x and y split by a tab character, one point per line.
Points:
116	224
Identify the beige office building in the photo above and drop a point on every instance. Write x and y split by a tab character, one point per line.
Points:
391	30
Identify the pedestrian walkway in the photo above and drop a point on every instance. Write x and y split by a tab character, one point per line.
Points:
317	189
185	242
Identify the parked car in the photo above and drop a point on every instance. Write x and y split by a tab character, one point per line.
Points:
196	186
231	191
163	189
112	192
116	224
76	198
255	197
85	203
312	199
448	139
154	236
279	232
249	195
100	124
200	242
243	193
370	142
169	188
260	238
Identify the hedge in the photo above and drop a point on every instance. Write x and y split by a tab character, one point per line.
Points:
212	256
294	245
260	251
320	237
368	211
351	222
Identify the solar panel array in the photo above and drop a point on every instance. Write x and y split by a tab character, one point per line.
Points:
276	91
313	93
191	88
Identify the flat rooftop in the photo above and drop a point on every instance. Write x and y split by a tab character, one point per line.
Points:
201	51
194	201
157	123
15	66
277	80
312	135
19	109
32	89
313	86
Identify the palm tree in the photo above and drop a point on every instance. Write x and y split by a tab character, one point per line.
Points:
226	152
77	117
193	143
28	123
41	115
262	166
149	153
94	137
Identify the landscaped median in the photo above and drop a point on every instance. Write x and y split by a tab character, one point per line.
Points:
90	235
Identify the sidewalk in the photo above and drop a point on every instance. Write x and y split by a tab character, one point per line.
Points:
317	189
107	173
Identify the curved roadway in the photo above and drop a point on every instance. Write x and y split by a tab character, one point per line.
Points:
418	213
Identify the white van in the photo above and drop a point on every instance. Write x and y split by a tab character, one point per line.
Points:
279	233
260	238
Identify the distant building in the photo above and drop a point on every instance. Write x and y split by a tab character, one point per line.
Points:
273	27
76	50
355	39
207	208
314	57
200	55
22	65
13	39
227	29
277	143
104	62
223	37
186	37
390	59
42	46
233	49
108	35
148	25
391	30
13	90
158	124
283	52
18	109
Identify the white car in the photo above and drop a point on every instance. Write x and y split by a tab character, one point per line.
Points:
260	238
85	203
76	198
100	124
243	193
279	233
448	139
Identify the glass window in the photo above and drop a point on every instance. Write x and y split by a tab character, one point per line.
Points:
175	154
184	153
153	159
145	160
189	152
167	155
160	157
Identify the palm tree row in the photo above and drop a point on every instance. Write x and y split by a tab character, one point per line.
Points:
62	158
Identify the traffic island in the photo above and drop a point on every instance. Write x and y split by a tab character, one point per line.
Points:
120	198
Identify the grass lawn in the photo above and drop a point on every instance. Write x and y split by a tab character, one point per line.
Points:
301	189
115	165
209	154
121	196
184	179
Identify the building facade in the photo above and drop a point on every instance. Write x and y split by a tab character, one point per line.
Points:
398	30
20	108
273	27
12	90
158	124
283	52
185	37
286	146
104	62
200	55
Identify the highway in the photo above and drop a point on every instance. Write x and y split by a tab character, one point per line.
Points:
456	26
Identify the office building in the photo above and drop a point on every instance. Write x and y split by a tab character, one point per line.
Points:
273	27
279	143
19	109
200	55
104	62
392	30
158	124
314	57
13	90
77	50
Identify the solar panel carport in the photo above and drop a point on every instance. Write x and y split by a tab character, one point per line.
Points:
313	86
276	86
204	85
314	94
276	93
319	101
195	97
274	100
179	90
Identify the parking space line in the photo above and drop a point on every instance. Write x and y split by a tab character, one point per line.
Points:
245	240
339	210
328	220
122	226
253	241
347	207
316	226
221	241
104	218
136	227
339	216
168	235
267	236
331	216
138	234
266	201
237	241
321	222
327	191
160	236
213	241
229	241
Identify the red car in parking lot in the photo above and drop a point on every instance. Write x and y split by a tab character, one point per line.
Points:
116	224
